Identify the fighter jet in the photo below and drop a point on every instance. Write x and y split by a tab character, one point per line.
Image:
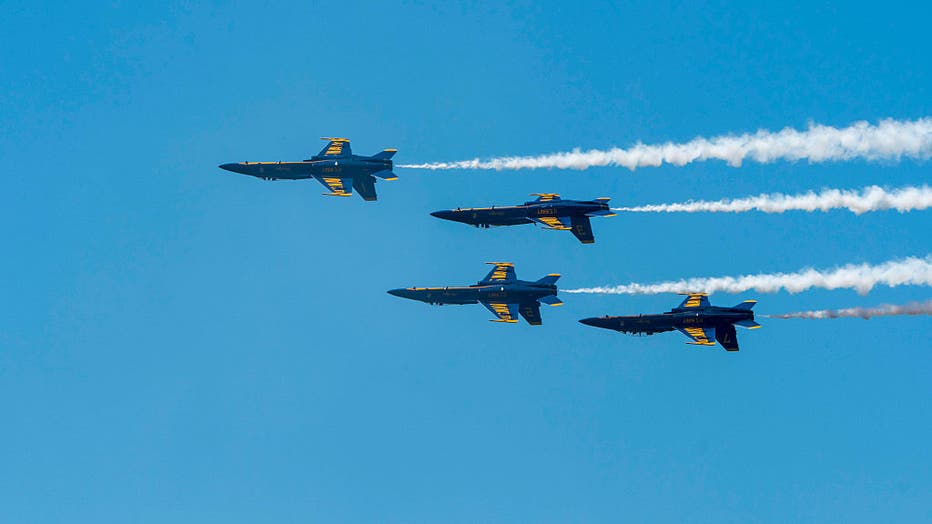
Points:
694	317
336	167
500	291
549	210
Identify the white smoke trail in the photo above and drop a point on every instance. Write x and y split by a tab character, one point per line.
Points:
860	277
885	310
887	140
871	198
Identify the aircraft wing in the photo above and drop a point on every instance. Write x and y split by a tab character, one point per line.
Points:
698	300
336	147
365	186
559	223
531	312
502	272
700	336
546	197
337	186
504	312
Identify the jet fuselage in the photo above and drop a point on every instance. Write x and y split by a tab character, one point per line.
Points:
519	291
712	316
528	213
343	167
703	323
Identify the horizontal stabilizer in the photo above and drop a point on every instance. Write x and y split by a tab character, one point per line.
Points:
601	213
549	279
337	194
387	174
747	304
385	155
750	324
551	300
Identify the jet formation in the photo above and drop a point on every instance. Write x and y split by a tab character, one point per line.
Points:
500	291
695	317
548	209
336	167
341	172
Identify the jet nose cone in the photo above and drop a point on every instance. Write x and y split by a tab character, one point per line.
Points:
599	322
446	215
233	167
403	293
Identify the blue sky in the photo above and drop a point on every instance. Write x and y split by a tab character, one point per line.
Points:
181	343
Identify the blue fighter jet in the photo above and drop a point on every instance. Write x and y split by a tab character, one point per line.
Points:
336	167
694	317
500	291
549	210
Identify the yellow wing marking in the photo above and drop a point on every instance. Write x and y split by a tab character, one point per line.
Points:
546	197
694	299
502	311
699	335
336	145
336	185
553	223
501	270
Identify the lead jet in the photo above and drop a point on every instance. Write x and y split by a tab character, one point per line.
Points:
336	167
694	317
549	210
500	291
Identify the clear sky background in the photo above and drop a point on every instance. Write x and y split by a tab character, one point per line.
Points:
179	343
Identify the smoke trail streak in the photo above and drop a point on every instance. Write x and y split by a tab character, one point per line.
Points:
860	277
889	139
885	310
871	198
